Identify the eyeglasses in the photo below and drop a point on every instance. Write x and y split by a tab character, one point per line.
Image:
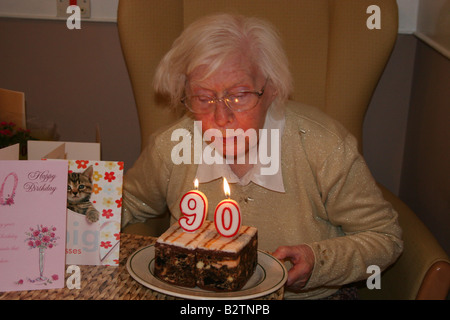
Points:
235	101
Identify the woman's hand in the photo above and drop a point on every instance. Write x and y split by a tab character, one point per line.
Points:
302	258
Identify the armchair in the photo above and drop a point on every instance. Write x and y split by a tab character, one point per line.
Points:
336	62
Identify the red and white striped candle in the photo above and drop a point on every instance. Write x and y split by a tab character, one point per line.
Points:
227	217
194	209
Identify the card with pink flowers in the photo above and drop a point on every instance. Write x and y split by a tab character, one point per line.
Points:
94	204
32	224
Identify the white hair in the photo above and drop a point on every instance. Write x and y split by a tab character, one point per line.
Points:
211	40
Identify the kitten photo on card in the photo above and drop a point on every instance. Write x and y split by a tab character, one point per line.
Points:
79	191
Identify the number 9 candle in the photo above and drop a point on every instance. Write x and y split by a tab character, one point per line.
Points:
194	209
227	216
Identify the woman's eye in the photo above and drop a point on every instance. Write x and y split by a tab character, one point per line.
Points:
204	99
238	97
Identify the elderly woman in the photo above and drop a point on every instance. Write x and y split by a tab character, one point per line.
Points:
319	207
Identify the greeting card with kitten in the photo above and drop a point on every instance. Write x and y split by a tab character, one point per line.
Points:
94	204
94	200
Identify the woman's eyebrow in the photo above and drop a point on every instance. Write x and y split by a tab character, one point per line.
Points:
237	86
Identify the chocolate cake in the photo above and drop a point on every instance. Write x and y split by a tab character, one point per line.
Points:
205	258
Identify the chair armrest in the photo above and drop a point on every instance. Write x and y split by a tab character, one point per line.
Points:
423	269
436	284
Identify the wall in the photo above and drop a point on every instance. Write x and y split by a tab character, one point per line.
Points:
101	10
75	79
425	181
433	25
385	123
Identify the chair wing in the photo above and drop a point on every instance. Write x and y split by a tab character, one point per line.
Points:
147	29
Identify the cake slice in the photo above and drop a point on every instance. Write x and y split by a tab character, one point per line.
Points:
226	264
206	259
175	255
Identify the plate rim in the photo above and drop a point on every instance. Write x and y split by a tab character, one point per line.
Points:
210	295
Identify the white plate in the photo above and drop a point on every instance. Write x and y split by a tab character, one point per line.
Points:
269	276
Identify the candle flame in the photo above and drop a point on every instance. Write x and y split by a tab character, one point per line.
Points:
196	184
226	188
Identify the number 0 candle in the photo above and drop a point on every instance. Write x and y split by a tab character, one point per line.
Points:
194	208
227	217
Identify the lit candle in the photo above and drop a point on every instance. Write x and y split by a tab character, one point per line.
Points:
227	217
194	209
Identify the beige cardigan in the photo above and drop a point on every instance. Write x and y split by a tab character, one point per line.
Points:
331	201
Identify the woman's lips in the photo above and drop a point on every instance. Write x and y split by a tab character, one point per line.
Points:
229	139
227	145
234	143
224	140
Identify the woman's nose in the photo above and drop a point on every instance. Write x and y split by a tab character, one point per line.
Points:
223	114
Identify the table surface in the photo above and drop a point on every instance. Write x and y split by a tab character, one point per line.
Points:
108	282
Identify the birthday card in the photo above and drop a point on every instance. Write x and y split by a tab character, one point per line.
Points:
32	224
94	204
94	201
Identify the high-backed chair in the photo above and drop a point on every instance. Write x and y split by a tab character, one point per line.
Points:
336	59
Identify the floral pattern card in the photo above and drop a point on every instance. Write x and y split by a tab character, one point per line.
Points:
94	204
32	224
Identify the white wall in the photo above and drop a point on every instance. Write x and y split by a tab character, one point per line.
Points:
433	24
101	10
407	15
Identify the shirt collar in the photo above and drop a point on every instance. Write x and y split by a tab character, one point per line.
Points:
209	172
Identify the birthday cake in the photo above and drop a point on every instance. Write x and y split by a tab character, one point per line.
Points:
205	258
